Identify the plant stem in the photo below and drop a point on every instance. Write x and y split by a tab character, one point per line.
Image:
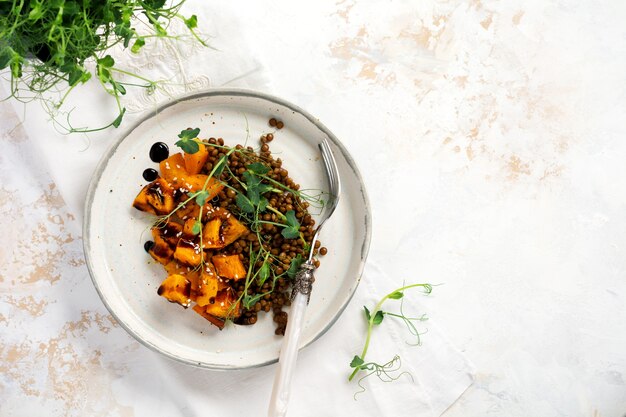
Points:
370	322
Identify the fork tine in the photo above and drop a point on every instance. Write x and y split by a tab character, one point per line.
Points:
333	175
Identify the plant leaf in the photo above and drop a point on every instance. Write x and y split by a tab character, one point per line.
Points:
253	195
378	317
356	362
263	188
188	145
119	87
6	56
202	197
264	273
396	295
106	62
258	168
192	22
75	76
189	133
118	119
367	314
251	179
292	231
221	164
294	266
292	221
137	45
197	226
244	204
263	203
251	300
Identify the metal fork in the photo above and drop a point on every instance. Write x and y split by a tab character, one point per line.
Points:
300	296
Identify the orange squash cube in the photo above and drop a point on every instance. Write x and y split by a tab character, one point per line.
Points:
211	237
232	230
161	251
229	266
212	319
156	198
224	305
173	169
195	161
188	253
176	288
207	285
171	232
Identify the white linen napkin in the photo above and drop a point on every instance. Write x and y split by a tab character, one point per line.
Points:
152	385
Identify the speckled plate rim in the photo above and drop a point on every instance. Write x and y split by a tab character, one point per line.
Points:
236	92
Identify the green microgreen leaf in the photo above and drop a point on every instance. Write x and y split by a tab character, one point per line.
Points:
378	317
244	204
258	168
187	142
253	195
197	227
6	56
192	22
396	295
139	43
75	76
251	179
189	133
188	146
356	362
264	273
219	166
118	119
106	62
263	203
292	230
294	266
368	316
202	197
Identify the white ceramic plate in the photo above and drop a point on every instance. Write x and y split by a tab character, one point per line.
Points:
126	277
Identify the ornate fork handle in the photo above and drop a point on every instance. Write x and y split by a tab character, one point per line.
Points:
304	280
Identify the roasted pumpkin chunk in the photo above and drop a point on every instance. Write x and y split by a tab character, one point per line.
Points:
171	232
173	169
207	285
214	320
232	230
156	198
173	267
222	229
195	161
174	172
188	227
188	252
176	289
229	266
224	305
211	236
161	251
196	183
188	211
